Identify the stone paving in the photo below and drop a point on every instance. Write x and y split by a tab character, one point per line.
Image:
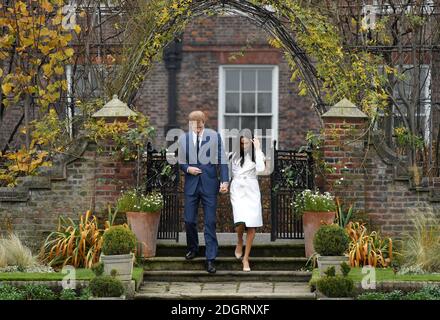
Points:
177	278
288	290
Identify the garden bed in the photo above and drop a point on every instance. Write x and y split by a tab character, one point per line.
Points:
387	281
387	275
55	278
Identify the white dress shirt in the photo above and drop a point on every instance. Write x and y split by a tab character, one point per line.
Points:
194	135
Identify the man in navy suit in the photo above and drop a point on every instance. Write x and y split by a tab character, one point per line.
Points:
201	154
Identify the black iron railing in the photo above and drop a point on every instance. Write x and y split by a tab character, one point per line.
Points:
163	176
293	172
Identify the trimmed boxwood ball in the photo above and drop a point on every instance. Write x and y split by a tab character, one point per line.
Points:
331	240
118	240
335	287
106	286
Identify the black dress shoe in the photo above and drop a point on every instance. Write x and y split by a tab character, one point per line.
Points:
190	255
210	267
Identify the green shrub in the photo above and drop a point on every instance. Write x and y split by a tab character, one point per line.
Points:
114	273
38	292
8	292
106	286
335	287
345	269
330	272
432	290
136	202
98	269
331	240
372	296
68	294
118	240
418	296
85	294
393	295
429	292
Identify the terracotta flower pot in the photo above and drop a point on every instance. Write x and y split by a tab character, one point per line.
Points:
311	223
145	226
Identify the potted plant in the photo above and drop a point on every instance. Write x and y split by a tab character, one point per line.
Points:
118	245
331	243
335	287
143	217
106	288
316	209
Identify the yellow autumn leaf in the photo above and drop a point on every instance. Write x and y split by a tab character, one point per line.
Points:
45	49
77	28
302	92
6	88
1	72
47	69
59	70
27	41
47	6
69	52
57	20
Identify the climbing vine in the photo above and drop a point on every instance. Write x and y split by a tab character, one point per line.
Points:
311	42
324	70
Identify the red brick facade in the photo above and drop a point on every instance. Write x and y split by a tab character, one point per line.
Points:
207	44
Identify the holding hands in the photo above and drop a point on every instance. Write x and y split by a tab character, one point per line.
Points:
224	187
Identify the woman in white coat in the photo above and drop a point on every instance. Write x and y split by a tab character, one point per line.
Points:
245	193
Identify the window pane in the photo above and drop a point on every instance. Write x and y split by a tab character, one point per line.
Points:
248	103
264	123
264	147
248	80
248	123
265	102
231	122
233	80
265	80
232	102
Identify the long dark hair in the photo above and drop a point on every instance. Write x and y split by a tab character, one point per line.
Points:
240	154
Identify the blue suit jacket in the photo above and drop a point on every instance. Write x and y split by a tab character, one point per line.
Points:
212	158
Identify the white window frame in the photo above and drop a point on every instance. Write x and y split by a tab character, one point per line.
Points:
275	96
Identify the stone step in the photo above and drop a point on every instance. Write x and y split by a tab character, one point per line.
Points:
233	276
225	290
225	263
227	250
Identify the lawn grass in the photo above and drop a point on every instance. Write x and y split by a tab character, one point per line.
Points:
386	274
81	274
138	275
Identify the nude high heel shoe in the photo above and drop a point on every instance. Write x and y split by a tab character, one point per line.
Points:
239	256
246	269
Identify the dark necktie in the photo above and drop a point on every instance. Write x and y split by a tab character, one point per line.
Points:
197	148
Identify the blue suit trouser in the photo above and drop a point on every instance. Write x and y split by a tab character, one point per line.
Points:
209	203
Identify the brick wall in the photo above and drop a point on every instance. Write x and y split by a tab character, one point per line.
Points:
209	42
367	175
90	180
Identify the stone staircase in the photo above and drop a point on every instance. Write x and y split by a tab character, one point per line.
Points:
277	272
